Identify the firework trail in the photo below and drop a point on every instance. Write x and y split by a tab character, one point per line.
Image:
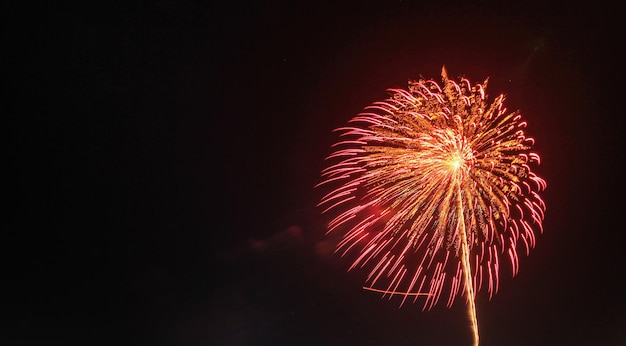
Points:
432	192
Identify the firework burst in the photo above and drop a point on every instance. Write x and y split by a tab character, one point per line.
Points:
432	192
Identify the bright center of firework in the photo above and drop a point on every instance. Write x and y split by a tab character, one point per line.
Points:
458	156
456	162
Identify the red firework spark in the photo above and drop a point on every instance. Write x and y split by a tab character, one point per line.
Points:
432	190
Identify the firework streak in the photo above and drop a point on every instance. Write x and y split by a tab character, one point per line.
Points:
432	192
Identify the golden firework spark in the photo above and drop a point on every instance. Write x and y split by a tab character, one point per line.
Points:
431	189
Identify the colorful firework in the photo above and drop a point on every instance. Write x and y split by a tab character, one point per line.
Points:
432	191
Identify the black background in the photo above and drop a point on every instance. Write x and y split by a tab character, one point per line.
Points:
162	158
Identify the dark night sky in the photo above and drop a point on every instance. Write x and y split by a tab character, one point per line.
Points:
162	158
